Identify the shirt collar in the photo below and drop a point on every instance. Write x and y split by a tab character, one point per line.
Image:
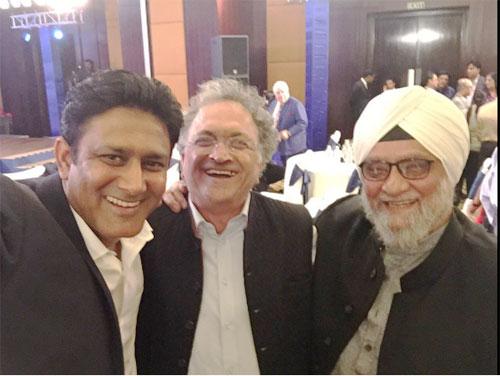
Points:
364	82
199	220
97	249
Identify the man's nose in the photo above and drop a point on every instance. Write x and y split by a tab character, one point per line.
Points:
220	152
395	183
132	178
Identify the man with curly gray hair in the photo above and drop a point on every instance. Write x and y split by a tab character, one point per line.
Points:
227	280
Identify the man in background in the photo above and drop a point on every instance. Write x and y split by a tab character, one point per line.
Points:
443	86
290	119
479	90
361	93
389	84
430	80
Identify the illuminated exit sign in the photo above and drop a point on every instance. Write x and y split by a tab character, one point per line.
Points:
413	5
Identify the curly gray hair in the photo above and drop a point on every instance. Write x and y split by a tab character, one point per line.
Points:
224	89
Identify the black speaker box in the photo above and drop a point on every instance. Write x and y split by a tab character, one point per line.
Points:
230	56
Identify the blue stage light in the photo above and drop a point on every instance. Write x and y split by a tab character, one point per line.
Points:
27	37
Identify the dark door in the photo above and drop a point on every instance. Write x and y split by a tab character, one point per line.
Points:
423	40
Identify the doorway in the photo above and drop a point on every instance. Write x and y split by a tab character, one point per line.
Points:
422	40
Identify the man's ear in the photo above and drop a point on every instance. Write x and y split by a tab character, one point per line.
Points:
63	157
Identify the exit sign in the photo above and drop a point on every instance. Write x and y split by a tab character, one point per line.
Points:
413	5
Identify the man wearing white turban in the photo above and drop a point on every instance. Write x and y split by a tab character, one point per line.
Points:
404	282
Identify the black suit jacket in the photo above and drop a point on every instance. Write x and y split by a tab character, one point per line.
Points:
277	273
443	322
360	96
65	272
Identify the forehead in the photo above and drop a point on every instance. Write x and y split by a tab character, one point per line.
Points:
125	127
393	151
224	118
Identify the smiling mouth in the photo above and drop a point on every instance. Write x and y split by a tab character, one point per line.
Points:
399	204
121	203
220	173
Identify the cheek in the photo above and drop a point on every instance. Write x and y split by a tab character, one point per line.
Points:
156	184
425	189
372	189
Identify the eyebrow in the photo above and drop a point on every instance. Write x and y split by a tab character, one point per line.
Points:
111	149
209	133
410	156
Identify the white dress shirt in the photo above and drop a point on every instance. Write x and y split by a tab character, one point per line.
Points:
124	279
223	341
365	84
360	356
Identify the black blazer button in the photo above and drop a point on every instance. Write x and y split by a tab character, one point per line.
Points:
348	309
263	349
373	273
248	274
328	341
189	325
182	363
256	310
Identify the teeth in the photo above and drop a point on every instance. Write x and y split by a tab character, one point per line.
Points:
399	203
124	204
221	172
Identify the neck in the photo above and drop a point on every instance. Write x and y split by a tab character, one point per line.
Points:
220	215
113	245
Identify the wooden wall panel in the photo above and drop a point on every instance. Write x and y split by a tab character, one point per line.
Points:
247	17
201	24
113	32
349	42
168	48
286	45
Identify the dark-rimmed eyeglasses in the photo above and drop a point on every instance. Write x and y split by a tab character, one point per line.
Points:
411	169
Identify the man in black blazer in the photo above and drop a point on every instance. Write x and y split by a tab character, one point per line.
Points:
117	131
53	316
227	281
404	283
361	93
479	92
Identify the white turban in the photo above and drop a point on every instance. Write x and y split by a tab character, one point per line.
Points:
426	115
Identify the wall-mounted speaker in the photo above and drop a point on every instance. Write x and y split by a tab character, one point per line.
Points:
230	57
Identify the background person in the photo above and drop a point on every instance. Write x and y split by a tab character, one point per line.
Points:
290	119
361	93
443	86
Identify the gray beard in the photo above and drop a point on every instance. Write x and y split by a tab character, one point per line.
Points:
417	225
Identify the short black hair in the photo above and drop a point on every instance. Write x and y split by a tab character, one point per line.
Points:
476	63
367	72
106	90
442	72
429	75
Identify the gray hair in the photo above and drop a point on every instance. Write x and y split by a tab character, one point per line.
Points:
463	83
224	89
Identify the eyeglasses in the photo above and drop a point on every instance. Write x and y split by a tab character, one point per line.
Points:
236	144
411	169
